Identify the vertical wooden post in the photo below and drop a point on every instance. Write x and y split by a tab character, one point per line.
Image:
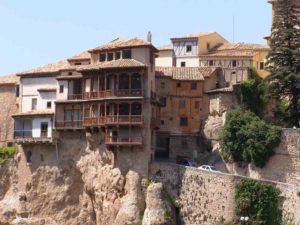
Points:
105	83
130	108
130	84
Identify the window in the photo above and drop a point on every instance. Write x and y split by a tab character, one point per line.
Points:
178	85
117	55
162	122
44	129
163	101
70	73
162	85
183	121
33	103
49	105
188	48
211	62
102	57
197	105
110	56
182	64
61	88
181	104
234	63
77	63
261	65
17	90
127	54
207	45
193	86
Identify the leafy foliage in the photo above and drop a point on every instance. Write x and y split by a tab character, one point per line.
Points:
252	94
7	152
258	201
284	59
247	138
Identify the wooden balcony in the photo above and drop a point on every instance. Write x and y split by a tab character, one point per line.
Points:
114	120
126	141
73	125
107	94
25	137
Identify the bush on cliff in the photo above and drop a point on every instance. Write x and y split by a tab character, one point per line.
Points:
7	152
257	201
247	138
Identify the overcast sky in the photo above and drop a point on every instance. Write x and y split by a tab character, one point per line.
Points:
38	32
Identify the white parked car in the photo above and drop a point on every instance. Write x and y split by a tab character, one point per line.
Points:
209	168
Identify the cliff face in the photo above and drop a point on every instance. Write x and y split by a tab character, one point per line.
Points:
83	188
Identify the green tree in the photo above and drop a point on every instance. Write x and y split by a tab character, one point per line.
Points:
258	201
247	138
252	94
284	59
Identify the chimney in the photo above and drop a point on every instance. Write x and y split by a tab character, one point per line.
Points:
149	37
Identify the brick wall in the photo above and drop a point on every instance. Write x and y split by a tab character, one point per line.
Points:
8	106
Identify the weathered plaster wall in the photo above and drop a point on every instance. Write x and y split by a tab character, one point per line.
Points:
207	198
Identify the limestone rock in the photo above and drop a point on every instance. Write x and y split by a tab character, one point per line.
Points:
158	210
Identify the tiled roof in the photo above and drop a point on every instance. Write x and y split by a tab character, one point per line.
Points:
236	50
184	73
82	56
35	113
9	79
50	68
220	90
165	48
193	36
121	43
120	63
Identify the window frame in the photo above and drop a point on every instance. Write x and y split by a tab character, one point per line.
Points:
188	48
194	86
49	104
181	104
101	59
110	56
61	88
34	106
183	121
129	56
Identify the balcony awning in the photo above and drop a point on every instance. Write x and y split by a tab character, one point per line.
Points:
35	113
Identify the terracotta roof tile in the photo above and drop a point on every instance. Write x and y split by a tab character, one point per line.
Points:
184	73
192	36
220	90
120	63
121	43
35	113
9	79
82	56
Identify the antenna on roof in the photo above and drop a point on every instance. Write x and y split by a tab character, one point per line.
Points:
149	37
233	29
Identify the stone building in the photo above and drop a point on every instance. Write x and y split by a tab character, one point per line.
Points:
9	95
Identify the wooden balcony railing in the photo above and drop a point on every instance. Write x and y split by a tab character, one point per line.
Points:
132	140
22	134
114	119
72	124
107	94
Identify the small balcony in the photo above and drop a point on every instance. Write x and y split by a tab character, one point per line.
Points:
127	141
114	120
26	137
72	124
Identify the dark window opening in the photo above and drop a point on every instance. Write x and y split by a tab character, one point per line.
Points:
162	122
70	73
234	63
136	81
124	109
178	85
33	104
17	90
183	121
102	57
49	105
124	82
110	56
44	129
211	62
193	86
207	45
28	156
188	48
127	54
61	88
163	101
77	63
136	109
182	64
117	55
42	158
262	66
181	104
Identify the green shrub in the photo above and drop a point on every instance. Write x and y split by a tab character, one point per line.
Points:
252	94
247	138
258	201
7	152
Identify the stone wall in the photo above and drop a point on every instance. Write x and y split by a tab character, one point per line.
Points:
8	107
208	198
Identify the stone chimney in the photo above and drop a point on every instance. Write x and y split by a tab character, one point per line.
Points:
149	37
